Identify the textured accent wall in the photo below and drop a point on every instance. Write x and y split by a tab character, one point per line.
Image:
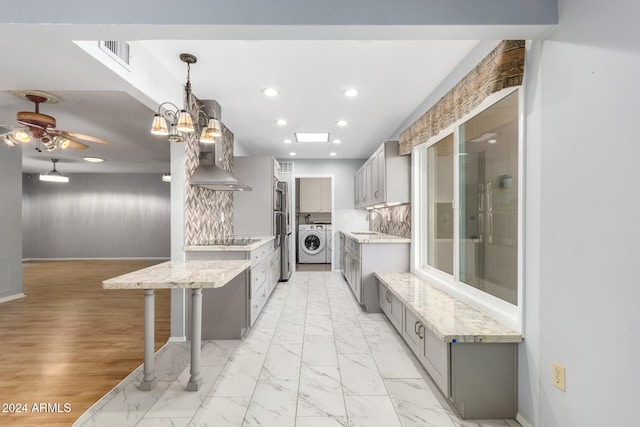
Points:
397	220
96	215
502	68
208	213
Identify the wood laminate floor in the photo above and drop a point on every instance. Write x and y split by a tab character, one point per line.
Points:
69	341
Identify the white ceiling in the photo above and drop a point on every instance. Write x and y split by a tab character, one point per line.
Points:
394	76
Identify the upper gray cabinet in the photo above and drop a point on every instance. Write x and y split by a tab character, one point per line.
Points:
384	179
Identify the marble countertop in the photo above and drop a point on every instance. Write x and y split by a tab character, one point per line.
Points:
180	274
374	237
449	318
258	241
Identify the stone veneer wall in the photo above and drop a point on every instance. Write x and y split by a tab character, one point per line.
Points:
208	213
397	220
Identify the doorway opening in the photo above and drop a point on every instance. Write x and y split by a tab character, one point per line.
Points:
313	222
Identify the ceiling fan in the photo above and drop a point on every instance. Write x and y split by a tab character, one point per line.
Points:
41	127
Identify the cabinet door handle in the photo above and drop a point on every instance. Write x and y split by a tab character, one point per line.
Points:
389	296
415	328
376	194
420	331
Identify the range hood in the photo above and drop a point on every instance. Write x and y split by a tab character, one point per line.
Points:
208	174
213	177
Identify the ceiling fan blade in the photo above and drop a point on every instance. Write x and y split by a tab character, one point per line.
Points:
72	141
84	137
77	145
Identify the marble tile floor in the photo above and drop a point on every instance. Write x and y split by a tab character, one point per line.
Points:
313	359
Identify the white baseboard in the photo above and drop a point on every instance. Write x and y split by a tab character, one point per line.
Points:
12	297
523	422
177	339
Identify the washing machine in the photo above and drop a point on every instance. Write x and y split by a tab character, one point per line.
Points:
312	244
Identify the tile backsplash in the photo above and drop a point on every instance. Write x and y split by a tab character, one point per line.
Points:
208	213
397	220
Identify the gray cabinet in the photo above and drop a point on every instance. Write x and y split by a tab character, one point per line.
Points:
479	379
432	352
392	307
253	210
315	195
361	260
352	271
262	280
230	306
384	179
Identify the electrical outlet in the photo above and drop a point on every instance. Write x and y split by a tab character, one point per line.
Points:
558	376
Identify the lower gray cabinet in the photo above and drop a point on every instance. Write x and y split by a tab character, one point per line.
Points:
484	380
432	352
392	307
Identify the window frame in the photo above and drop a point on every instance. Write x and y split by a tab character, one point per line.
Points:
509	314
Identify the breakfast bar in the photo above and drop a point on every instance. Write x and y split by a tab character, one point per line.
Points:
194	275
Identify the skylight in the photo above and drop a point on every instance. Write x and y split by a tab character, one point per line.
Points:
312	136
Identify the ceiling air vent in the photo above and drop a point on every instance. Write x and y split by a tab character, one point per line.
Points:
286	167
118	50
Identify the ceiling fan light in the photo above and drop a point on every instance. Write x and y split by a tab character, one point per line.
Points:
62	142
22	136
47	143
185	122
9	141
49	177
214	127
53	175
159	126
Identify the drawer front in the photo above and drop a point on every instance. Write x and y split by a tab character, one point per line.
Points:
257	301
436	360
411	332
258	275
260	254
397	310
385	296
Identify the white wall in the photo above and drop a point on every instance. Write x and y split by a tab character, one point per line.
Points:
582	287
96	216
10	220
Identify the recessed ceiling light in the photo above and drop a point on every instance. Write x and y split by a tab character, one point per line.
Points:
333	153
351	92
312	136
492	141
269	91
336	141
292	153
287	141
281	122
93	159
342	122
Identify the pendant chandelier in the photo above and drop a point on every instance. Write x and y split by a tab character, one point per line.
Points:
176	123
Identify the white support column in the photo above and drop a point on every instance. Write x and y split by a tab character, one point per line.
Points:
149	379
195	382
